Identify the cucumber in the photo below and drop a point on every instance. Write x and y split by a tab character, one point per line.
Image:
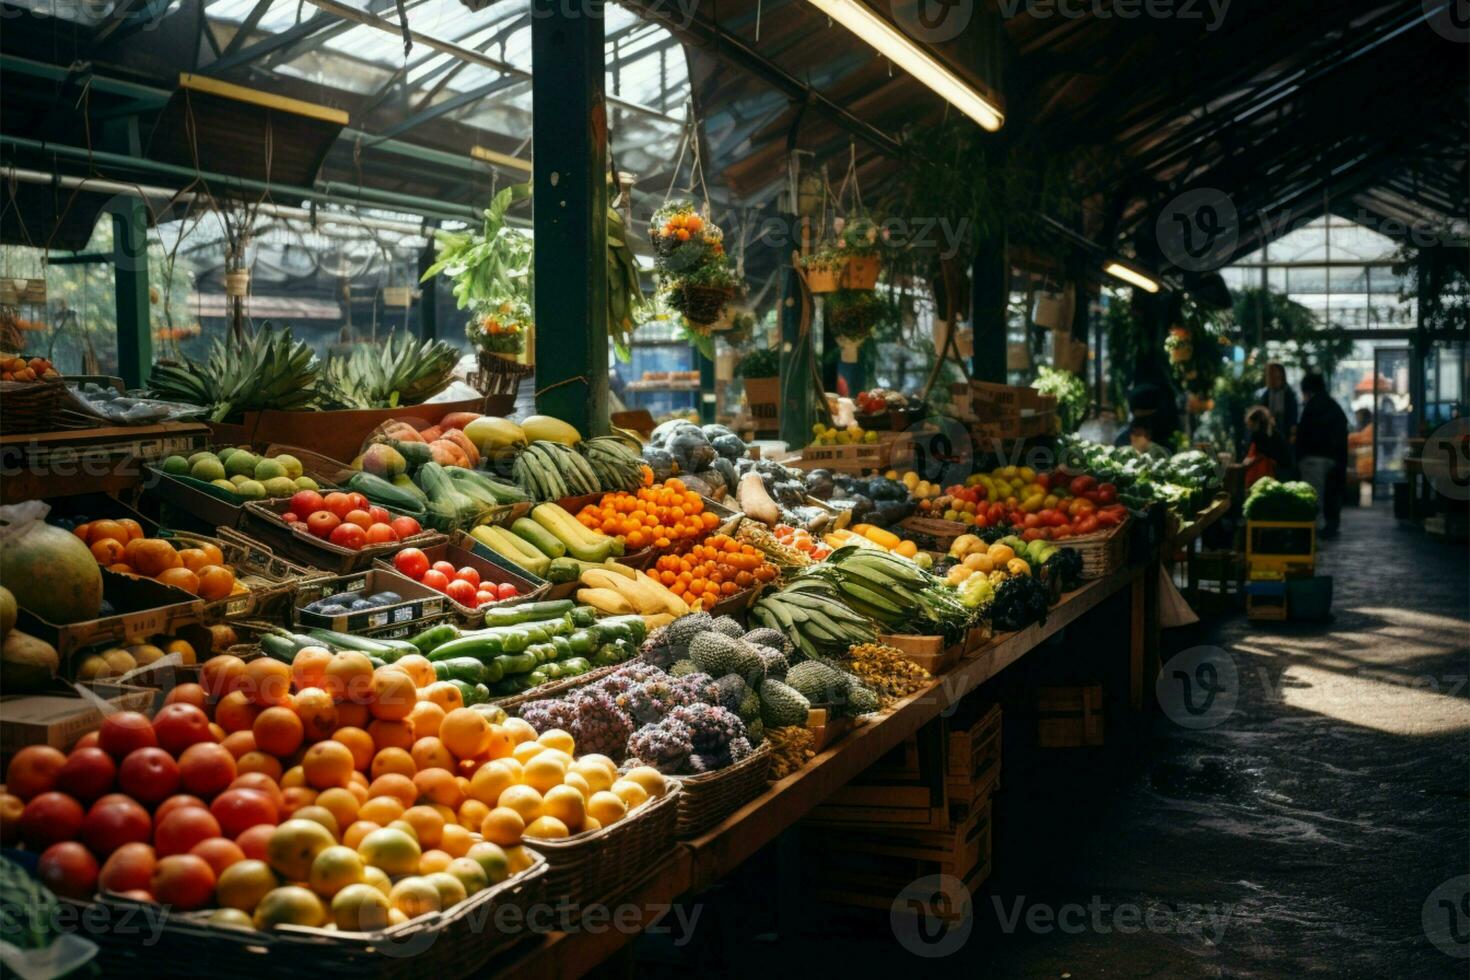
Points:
517	663
536	678
528	612
552	670
498	493
436	636
384	493
468	694
540	538
415	454
386	650
563	570
277	647
575	666
583	616
460	669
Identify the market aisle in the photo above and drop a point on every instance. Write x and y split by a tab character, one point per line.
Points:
1300	834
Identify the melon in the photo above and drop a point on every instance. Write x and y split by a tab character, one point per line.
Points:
27	664
545	428
7	611
52	574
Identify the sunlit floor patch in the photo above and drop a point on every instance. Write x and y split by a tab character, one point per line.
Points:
1416	706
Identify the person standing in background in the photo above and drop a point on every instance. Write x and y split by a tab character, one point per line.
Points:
1267	449
1321	450
1281	401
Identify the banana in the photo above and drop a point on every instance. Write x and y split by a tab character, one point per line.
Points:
605	600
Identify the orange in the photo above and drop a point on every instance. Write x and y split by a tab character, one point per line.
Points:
392	850
426	718
257	761
294	845
107	530
434	860
465	732
455	840
501	743
193	559
503	826
472	813
278	730
489	782
381	810
334	869
211	550
350	677
415	897
215	582
327	764
107	551
222	674
134	529
318	713
418	667
395	784
295	776
151	556
353	715
519	730
427	823
267	681
296	798
309	667
544	771
444	694
567	805
238	742
393	695
342	804
356	831
235	711
438	786
393	759
359	741
180	578
318	814
391	734
430	753
523	800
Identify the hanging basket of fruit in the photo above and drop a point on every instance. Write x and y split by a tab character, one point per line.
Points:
500	328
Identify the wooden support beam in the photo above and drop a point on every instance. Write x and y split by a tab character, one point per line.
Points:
130	283
569	122
990	292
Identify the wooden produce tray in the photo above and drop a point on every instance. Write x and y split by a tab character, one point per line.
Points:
143	608
263	521
102	460
929	652
458	555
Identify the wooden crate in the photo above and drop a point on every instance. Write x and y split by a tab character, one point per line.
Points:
871	870
826	727
929	652
853	458
906	789
1069	717
973	759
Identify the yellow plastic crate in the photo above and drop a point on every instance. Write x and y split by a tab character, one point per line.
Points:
1280	546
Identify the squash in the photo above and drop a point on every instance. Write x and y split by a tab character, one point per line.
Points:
754	502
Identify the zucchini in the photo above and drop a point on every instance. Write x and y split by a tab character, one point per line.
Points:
386	650
278	647
479	484
384	493
575	666
563	570
583	616
415	454
468	694
536	678
517	663
528	612
540	538
552	670
562	645
582	643
460	669
435	636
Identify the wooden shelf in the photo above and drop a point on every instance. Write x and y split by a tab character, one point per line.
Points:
698	863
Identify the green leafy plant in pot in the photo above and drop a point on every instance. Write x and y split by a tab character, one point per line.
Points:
689	253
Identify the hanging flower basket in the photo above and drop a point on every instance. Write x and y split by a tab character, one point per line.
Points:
852	315
500	328
700	304
861	272
1179	345
824	279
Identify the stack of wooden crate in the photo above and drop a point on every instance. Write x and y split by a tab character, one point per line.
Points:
923	809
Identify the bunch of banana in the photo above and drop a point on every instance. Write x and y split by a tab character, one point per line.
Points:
814	615
624	293
892	590
620	592
617	467
403	371
550	471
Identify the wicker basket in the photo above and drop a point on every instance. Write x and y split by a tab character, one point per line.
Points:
703	304
1102	553
710	797
457	943
30	406
596	865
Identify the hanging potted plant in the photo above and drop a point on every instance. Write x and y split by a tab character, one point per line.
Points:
499	329
853	314
689	253
823	268
1179	345
858	243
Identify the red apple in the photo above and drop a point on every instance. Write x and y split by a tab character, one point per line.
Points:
306	502
347	535
322	523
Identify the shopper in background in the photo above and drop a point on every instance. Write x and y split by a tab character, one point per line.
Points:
1267	452
1280	399
1321	449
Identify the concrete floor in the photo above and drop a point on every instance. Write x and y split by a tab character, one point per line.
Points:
1303	833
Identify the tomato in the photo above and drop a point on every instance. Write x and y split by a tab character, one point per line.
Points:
361	518
68	870
379	515
1030	522
179	726
1043	480
338	503
88	774
482	597
359	502
468	574
435	579
348	536
1058	533
406	527
461	592
49	818
445	567
1087	525
506	590
322	523
411	562
124	731
1106	493
980	521
1082	484
1031	534
148	775
381	534
290	518
306	502
240	808
1107	519
113	821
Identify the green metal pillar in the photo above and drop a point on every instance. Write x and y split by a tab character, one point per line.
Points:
569	126
796	354
707	397
130	272
428	294
990	293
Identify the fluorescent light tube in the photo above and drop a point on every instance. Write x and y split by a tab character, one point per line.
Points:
906	54
1132	277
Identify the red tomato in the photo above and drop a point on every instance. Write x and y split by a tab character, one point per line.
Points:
290	517
338	503
179	726
435	579
306	502
88	774
411	561
1082	484
50	818
468	574
121	733
348	536
1058	533
113	821
1087	525
359	502
1106	493
322	523
361	518
980	521
1106	518
1043	480
380	514
506	590
1031	522
148	775
68	870
445	567
406	527
482	597
461	592
1031	534
381	534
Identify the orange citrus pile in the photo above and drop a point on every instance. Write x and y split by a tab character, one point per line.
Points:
658	516
119	545
714	570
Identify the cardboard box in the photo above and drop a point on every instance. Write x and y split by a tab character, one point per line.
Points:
142	607
419	601
109	459
852	458
58	718
763	402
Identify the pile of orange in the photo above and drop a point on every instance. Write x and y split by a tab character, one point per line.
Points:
120	546
714	570
658	516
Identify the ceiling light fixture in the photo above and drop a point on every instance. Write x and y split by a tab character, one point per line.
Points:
1131	276
903	52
